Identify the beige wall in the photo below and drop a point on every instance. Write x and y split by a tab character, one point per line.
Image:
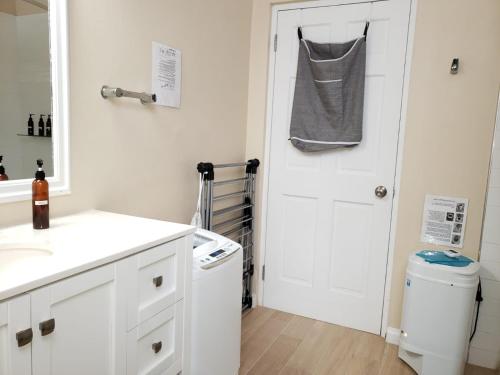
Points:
140	160
136	159
450	121
450	118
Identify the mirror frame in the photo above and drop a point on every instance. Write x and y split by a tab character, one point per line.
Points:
17	190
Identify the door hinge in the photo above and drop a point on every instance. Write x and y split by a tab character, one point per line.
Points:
275	42
264	272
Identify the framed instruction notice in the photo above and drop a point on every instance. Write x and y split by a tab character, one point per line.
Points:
166	75
444	220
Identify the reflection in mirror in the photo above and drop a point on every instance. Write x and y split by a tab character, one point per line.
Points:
25	87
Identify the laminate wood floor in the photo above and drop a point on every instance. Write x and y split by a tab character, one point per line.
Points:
277	343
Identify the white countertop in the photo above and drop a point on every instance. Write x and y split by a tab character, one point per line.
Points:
75	244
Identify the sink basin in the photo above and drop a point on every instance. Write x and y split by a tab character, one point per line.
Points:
21	252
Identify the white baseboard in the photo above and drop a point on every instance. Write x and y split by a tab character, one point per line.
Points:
392	336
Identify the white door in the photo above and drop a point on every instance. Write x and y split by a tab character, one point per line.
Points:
87	336
327	232
15	333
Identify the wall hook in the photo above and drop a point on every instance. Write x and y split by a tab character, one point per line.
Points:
454	65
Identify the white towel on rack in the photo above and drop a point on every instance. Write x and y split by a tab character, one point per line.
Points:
196	220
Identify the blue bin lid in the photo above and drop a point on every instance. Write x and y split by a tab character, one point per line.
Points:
439	257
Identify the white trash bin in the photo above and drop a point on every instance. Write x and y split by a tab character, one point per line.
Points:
437	315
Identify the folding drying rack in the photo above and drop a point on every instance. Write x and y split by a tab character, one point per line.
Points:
235	221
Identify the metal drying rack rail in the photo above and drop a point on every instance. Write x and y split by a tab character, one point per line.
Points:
235	221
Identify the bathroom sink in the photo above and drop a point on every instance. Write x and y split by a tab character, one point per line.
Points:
21	252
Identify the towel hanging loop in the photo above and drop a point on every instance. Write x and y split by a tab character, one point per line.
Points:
367	24
299	32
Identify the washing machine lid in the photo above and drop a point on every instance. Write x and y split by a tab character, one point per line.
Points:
439	257
211	250
431	260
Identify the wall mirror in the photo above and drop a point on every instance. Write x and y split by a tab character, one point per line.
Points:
33	83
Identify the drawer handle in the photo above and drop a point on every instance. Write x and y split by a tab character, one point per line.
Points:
24	337
158	281
157	347
47	327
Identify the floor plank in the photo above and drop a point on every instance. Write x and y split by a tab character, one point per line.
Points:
278	343
275	358
253	320
319	343
260	340
299	327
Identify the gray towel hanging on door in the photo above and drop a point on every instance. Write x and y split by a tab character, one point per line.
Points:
327	108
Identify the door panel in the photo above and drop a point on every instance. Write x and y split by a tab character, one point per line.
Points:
327	233
89	334
349	254
14	317
298	264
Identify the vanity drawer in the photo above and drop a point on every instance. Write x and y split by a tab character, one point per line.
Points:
156	281
155	346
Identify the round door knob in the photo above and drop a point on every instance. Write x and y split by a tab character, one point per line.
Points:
380	191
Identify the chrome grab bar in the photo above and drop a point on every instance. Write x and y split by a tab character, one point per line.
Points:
116	92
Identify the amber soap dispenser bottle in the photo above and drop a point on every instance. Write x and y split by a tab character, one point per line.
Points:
3	176
40	188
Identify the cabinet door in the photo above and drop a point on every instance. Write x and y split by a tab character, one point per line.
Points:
155	346
79	325
155	280
15	358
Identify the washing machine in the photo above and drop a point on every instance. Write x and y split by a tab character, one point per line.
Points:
216	305
438	307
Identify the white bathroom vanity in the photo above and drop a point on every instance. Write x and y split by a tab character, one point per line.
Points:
97	293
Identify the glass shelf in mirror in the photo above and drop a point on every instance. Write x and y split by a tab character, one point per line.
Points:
35	136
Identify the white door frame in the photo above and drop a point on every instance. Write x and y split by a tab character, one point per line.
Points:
399	156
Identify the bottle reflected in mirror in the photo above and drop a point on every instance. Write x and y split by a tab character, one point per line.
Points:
3	175
41	127
48	126
31	125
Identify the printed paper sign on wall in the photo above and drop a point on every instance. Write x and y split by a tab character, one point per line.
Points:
444	220
166	77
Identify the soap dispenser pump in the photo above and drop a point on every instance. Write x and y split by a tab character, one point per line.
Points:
3	176
41	126
31	125
48	126
40	189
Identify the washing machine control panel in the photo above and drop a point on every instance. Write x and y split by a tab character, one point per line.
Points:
218	255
